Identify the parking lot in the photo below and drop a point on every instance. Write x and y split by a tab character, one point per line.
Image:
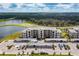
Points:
10	47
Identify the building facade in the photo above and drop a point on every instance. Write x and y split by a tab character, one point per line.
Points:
73	33
41	33
46	33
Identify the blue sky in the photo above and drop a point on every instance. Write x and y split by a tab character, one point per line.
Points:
39	7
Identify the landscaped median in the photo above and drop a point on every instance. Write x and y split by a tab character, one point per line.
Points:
37	54
46	54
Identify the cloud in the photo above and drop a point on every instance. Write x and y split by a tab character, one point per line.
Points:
64	6
39	7
5	5
35	7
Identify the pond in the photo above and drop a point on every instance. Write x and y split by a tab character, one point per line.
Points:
6	30
9	30
12	22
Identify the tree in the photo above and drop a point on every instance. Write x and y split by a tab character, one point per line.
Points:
3	53
77	46
69	54
54	53
9	47
32	52
66	35
18	53
53	46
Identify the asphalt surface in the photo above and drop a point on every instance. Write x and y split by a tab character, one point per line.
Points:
37	47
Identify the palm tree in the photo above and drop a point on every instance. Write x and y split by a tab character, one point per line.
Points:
54	53
69	54
66	35
3	53
53	46
18	53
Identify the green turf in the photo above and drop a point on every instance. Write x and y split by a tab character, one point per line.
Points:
35	55
7	54
3	20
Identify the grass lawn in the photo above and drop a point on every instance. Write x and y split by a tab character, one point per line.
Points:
34	55
27	24
3	20
49	55
10	37
8	55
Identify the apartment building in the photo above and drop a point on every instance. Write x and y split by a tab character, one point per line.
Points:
73	33
41	33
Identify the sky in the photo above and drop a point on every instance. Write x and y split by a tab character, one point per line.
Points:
39	7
